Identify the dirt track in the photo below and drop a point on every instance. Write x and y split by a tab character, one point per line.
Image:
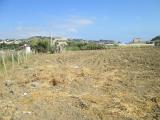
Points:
116	84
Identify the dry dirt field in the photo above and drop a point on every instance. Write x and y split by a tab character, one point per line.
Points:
113	84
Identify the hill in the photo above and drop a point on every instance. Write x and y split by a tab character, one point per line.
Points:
156	38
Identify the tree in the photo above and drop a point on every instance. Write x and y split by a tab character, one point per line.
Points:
42	46
156	38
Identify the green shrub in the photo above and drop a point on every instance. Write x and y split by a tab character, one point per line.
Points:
42	46
72	48
5	46
84	46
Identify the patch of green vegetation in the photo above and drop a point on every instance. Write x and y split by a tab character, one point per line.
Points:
5	46
40	45
156	38
76	45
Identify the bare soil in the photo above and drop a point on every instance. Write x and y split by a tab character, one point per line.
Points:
113	84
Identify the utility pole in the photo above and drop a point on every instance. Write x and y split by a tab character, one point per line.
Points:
51	40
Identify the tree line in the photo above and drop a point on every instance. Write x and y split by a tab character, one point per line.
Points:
42	44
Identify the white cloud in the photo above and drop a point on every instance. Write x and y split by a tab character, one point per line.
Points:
82	22
66	27
23	31
73	30
72	24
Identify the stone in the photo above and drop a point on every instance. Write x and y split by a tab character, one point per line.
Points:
34	84
8	83
24	94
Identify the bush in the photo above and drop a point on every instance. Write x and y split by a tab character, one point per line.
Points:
91	46
5	46
72	48
42	46
84	46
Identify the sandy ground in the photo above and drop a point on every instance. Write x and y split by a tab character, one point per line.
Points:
115	84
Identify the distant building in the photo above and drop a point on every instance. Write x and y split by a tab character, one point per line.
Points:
59	43
60	40
136	40
105	42
10	41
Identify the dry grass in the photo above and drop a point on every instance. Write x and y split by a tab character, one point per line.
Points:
89	85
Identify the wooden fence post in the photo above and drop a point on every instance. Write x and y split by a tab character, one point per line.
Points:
18	57
12	61
26	56
4	64
23	54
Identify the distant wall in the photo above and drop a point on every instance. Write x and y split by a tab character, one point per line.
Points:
139	45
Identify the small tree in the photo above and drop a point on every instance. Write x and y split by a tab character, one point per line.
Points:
43	46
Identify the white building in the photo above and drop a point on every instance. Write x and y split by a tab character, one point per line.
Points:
60	40
27	49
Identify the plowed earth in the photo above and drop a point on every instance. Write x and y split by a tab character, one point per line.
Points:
113	84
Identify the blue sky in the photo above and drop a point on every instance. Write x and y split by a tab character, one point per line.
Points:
120	20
